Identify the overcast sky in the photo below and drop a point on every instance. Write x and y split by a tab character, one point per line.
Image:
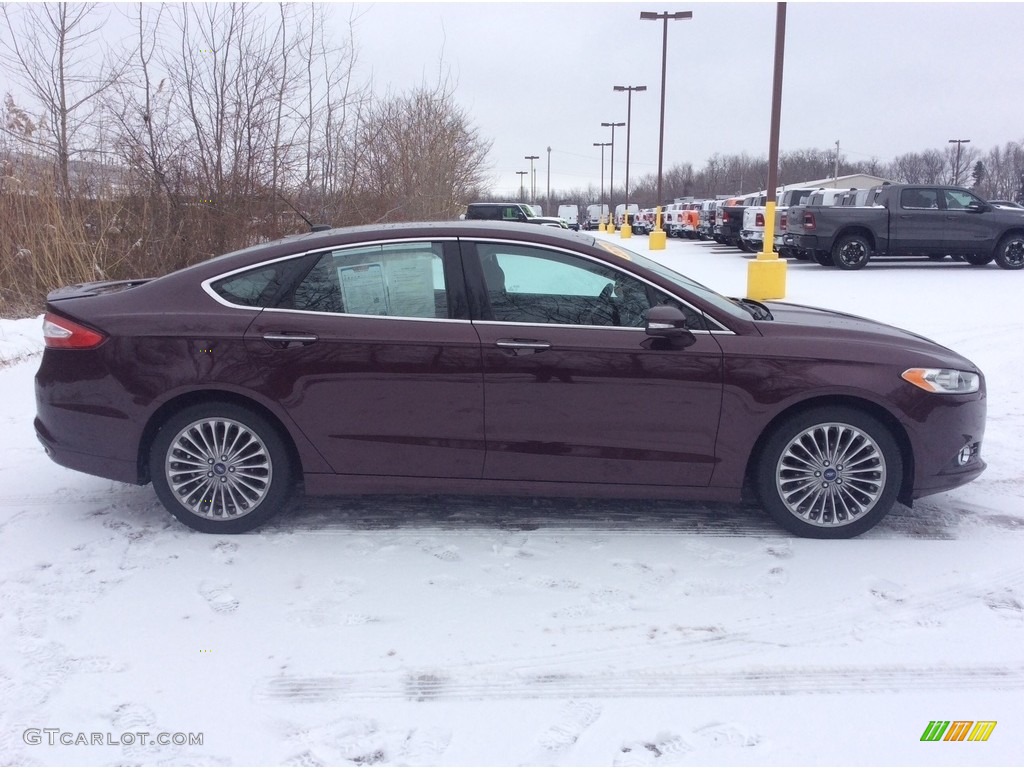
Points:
882	78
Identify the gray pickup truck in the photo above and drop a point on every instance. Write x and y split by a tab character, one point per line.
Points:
908	220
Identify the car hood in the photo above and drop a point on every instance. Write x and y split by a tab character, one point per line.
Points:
858	337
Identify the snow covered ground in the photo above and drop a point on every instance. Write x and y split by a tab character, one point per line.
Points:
502	632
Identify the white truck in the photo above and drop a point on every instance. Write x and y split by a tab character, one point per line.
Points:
571	215
752	233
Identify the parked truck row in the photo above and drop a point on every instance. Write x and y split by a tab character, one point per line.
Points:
844	228
847	228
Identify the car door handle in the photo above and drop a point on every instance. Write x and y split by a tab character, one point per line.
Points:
522	346
285	340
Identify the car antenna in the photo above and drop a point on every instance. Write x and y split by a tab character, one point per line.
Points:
312	227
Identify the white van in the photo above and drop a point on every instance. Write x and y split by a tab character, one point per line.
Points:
571	215
596	215
620	211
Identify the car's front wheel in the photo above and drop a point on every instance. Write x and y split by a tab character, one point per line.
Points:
220	468
829	473
1010	251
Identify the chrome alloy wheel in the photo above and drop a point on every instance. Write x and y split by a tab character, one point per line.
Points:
218	469
830	475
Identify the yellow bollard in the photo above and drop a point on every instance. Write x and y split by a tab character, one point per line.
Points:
627	231
766	275
658	238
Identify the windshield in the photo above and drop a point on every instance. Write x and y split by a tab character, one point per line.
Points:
701	291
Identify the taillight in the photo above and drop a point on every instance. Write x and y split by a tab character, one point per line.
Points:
725	216
759	220
61	333
782	221
809	221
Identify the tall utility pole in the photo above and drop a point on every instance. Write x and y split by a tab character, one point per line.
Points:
835	172
522	193
611	179
766	275
533	177
626	232
547	197
657	236
602	146
956	169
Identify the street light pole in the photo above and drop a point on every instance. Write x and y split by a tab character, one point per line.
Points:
657	237
522	193
956	170
547	197
602	146
533	178
626	230
611	180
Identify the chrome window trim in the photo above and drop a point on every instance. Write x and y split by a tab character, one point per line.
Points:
207	284
544	246
595	327
364	317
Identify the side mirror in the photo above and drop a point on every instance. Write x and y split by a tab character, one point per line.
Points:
665	321
976	207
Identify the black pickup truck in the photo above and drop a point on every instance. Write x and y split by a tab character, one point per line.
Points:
909	220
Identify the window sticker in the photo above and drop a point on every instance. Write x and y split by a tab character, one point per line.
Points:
363	289
410	283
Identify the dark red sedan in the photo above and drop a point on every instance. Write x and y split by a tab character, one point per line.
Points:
480	357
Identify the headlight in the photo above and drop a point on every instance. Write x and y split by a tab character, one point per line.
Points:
945	381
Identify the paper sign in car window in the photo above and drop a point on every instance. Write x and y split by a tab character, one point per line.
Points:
364	289
410	280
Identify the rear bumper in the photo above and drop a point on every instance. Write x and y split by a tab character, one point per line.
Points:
803	242
90	463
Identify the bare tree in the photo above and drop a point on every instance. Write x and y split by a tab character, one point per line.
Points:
47	49
422	157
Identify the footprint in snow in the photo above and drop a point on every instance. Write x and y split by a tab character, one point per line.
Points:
218	597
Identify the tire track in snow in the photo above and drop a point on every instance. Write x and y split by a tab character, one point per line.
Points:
651	683
744	638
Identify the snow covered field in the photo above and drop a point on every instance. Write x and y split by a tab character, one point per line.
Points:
502	632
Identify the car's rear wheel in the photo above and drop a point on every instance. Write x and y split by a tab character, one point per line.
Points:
1010	251
852	252
829	473
220	468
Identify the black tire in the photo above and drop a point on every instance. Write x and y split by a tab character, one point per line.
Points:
217	499
1010	251
851	252
824	258
812	491
978	259
744	246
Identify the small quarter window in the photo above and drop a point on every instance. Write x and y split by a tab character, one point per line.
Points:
255	288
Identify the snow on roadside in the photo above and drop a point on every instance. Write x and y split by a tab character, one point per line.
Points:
20	339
